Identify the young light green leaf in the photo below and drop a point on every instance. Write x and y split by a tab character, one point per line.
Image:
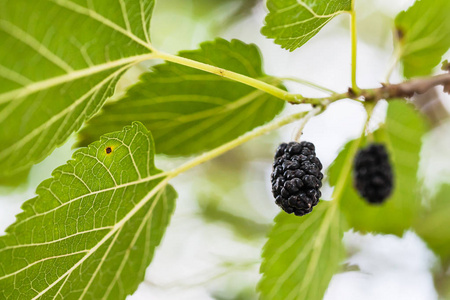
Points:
294	22
189	110
302	254
402	135
59	62
93	228
434	224
423	31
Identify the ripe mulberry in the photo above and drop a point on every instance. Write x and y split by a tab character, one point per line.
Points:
373	176
296	177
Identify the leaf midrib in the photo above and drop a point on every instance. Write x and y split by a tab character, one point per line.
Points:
136	182
101	19
116	227
54	81
319	243
19	142
23	140
27	39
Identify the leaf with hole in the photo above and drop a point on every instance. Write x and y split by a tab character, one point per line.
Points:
93	224
59	62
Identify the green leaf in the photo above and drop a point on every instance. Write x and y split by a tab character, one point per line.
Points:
293	22
402	135
189	110
302	254
441	280
423	31
59	62
92	230
433	226
245	227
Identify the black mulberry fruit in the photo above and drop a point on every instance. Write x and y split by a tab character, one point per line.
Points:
296	177
373	176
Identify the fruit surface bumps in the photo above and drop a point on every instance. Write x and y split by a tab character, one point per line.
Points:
296	177
373	177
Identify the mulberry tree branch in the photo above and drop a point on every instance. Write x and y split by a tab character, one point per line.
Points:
408	88
404	89
386	91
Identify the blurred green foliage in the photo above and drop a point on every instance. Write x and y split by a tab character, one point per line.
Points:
402	134
423	34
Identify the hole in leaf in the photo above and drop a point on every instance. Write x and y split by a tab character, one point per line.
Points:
108	150
400	34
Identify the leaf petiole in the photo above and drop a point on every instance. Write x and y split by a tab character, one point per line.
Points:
258	84
354	46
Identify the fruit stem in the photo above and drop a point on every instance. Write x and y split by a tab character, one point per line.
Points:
280	122
297	133
369	106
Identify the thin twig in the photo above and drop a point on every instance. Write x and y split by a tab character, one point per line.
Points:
406	89
390	91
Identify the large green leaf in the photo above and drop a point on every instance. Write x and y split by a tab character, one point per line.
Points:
402	135
92	230
302	254
189	110
59	62
434	224
293	22
424	36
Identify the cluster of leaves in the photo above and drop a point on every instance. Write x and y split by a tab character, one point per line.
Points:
101	215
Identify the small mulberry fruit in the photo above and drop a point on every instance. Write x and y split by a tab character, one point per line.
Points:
373	176
296	177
